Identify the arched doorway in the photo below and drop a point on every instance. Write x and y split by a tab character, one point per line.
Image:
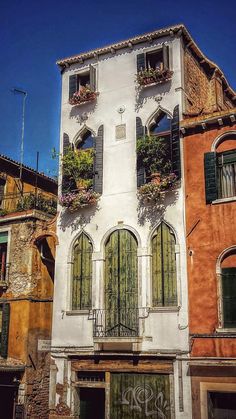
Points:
121	284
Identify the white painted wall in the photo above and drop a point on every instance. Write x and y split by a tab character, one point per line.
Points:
163	330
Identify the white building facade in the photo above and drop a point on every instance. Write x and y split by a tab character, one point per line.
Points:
120	325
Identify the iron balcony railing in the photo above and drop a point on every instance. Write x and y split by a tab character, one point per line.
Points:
4	273
28	201
123	322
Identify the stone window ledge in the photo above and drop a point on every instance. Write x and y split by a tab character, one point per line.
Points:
226	330
77	312
164	309
224	200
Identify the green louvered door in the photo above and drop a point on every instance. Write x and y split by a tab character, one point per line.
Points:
139	396
164	291
82	274
121	285
229	296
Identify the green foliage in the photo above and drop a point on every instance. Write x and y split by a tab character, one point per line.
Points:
31	201
78	165
154	155
3	212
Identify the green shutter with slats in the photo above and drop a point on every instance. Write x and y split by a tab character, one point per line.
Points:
3	237
92	77
175	143
229	296
140	169
5	329
166	56
121	283
98	161
141	62
210	177
136	396
164	278
82	274
72	85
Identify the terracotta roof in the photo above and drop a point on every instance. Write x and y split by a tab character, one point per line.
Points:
180	28
42	175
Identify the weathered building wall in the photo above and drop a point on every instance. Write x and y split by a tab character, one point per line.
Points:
29	291
210	230
203	89
205	242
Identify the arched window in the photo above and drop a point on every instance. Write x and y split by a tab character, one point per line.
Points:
82	273
220	168
160	126
164	287
228	289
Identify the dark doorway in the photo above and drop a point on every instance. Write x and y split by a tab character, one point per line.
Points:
221	405
7	395
92	403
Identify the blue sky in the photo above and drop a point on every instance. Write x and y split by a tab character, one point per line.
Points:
35	34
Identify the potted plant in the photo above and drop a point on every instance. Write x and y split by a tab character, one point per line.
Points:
77	167
84	94
153	154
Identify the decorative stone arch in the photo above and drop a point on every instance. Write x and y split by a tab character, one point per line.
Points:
78	137
119	227
162	220
177	261
69	255
222	256
222	137
151	119
42	236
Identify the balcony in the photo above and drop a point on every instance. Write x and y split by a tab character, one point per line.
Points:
118	323
4	274
12	203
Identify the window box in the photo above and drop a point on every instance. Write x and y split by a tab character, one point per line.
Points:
152	77
84	95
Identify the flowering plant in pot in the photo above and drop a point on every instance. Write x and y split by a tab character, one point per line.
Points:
154	156
84	94
77	167
151	75
78	199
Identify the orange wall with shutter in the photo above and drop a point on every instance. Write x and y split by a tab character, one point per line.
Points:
210	229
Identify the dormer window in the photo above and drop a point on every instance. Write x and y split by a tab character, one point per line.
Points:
153	67
82	87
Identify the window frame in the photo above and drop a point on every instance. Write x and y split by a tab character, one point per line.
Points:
91	70
5	283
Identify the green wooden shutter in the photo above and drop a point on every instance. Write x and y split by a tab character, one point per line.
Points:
66	143
82	274
164	278
166	57
141	177
72	85
121	284
229	296
92	77
136	396
141	65
3	237
175	143
210	177
5	329
98	161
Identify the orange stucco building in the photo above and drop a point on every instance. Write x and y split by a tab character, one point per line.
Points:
210	187
27	251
